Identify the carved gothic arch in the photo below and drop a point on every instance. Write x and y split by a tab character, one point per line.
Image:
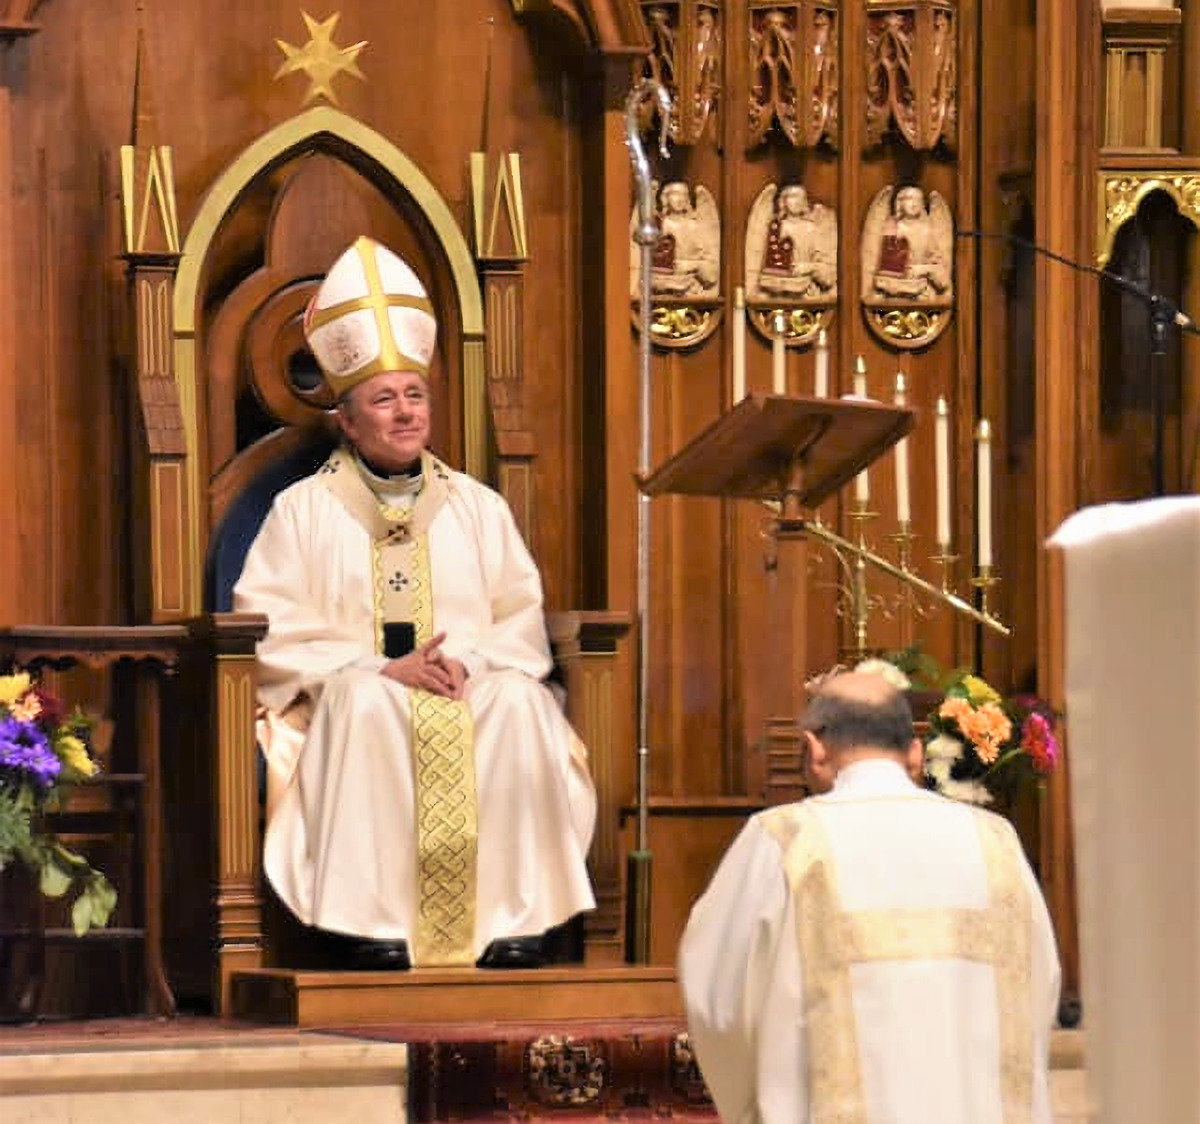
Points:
611	27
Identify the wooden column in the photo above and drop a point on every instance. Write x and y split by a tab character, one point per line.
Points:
237	899
618	369
1066	345
164	578
14	24
501	250
9	585
585	646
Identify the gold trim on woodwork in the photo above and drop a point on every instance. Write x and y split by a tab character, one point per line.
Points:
677	325
238	807
1120	194
167	495
801	323
293	136
507	193
906	327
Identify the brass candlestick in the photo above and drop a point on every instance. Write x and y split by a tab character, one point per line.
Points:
945	560
984	581
860	607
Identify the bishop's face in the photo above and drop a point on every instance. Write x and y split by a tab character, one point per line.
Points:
386	419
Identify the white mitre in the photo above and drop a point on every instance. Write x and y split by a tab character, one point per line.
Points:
371	314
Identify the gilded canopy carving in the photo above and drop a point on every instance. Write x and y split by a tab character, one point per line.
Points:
912	71
685	59
793	71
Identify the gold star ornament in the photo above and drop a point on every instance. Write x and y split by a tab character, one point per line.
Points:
320	58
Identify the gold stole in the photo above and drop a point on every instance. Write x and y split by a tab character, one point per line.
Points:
832	940
442	734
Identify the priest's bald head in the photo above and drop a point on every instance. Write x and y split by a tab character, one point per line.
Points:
372	330
855	715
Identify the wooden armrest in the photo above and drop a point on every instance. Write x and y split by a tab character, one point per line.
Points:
586	631
93	645
229	634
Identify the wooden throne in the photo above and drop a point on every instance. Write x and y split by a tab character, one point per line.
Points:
229	408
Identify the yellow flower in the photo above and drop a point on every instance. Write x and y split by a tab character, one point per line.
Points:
978	691
12	687
74	755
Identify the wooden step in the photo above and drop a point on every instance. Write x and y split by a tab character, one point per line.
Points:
433	995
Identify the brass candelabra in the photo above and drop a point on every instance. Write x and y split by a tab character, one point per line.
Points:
916	598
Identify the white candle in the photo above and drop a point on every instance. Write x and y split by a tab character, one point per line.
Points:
821	375
862	484
941	465
739	344
778	358
983	453
903	508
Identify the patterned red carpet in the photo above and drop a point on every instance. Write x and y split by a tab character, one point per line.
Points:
570	1071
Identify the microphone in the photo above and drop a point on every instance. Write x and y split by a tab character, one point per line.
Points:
1162	310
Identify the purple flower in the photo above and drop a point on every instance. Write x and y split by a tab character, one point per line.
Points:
25	751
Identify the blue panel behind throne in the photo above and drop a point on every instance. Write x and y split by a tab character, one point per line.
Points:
231	540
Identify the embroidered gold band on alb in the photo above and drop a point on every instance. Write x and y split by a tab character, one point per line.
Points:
447	830
832	940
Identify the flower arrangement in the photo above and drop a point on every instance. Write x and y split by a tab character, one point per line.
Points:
43	752
981	747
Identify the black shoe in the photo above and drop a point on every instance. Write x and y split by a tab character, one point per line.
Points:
513	952
378	956
565	943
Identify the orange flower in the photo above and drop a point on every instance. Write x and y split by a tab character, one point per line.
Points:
27	708
988	728
956	708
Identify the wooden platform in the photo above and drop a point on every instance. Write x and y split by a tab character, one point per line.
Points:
440	995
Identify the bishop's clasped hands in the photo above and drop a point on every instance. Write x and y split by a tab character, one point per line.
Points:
430	669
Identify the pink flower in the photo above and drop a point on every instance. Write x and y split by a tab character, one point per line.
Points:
1037	739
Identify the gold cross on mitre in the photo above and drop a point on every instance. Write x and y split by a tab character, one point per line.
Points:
320	58
377	300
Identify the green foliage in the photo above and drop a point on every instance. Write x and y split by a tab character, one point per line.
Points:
16	838
33	784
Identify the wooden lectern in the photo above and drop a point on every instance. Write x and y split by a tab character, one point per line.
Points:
796	452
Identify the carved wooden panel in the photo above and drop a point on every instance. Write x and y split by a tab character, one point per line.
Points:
686	58
793	71
912	71
1141	92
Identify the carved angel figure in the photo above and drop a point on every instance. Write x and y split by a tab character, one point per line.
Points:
907	248
686	258
791	246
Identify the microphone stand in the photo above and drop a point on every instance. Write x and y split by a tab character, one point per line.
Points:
1163	313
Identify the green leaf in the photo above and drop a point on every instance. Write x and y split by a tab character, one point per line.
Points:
94	905
81	914
54	880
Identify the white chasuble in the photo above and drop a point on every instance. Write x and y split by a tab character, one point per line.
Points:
878	955
393	813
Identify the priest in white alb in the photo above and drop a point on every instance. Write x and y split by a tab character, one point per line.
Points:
426	797
877	954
